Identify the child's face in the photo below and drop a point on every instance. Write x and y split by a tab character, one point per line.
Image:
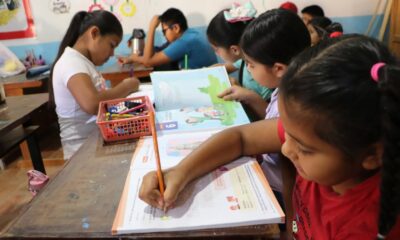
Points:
313	34
263	74
306	18
226	54
103	48
315	159
171	32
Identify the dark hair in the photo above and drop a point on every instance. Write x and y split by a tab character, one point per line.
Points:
174	16
348	109
275	36
82	21
314	10
324	26
223	33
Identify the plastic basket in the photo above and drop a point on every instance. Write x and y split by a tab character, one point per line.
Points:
126	128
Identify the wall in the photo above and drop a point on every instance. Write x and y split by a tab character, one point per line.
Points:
50	27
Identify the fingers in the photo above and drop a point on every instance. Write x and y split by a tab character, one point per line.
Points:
149	191
225	92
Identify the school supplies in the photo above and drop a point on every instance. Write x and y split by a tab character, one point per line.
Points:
157	154
124	118
188	101
236	194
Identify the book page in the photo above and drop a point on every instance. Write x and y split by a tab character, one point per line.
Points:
234	195
189	88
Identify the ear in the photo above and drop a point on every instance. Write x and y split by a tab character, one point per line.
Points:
373	158
235	49
279	69
176	28
94	32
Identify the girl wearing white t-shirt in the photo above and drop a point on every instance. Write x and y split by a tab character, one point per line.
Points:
77	87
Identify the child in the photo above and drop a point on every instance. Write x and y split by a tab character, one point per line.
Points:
186	45
311	12
77	87
322	28
268	44
339	107
224	36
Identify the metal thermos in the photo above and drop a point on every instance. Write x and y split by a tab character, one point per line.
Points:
137	39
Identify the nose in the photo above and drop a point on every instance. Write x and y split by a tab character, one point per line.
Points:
288	149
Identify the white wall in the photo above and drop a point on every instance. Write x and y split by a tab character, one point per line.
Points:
51	27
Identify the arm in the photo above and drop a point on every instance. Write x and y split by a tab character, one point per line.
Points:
88	97
248	97
149	58
221	148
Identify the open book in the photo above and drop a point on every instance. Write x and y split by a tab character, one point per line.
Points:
236	194
187	100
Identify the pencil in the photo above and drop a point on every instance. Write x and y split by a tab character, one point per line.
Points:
157	153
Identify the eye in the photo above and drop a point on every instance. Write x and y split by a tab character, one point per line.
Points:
303	151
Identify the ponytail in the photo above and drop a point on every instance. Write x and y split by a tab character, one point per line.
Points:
82	21
389	86
70	38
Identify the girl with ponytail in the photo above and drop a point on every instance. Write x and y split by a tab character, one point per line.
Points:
76	87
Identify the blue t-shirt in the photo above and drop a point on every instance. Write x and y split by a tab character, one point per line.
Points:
250	83
192	43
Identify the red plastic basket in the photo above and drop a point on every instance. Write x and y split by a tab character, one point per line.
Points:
126	128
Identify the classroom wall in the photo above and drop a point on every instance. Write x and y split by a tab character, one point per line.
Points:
50	27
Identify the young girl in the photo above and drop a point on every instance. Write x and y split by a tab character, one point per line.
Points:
77	87
339	107
268	44
321	28
224	36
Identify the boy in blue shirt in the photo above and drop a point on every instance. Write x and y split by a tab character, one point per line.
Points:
186	45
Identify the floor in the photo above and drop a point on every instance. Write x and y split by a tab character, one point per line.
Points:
14	194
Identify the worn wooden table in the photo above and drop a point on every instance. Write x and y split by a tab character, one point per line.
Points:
19	111
19	85
117	73
81	201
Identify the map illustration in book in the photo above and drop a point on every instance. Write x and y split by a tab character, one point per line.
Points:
236	194
187	100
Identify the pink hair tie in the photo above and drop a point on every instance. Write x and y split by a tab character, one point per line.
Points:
375	70
335	34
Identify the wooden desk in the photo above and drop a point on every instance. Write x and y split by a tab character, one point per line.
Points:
19	84
81	201
18	111
117	73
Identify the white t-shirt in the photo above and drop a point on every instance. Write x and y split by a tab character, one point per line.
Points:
72	119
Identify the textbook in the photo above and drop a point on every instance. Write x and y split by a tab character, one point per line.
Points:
236	194
187	100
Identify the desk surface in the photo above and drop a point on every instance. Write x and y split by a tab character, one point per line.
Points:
81	201
17	110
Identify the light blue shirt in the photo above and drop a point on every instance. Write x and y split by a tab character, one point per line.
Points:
250	83
195	46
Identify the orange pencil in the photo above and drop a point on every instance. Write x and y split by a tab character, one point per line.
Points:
157	154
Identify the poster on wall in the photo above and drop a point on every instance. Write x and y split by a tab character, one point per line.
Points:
16	19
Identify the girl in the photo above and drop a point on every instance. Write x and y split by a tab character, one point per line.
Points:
339	106
77	87
321	28
268	44
224	36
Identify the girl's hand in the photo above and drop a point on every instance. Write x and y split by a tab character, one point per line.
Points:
150	193
237	93
233	81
